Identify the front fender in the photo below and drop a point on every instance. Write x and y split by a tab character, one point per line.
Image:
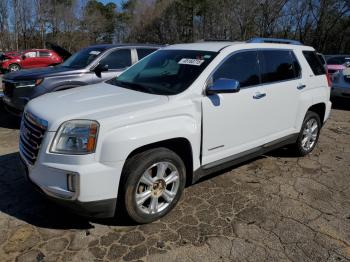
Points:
118	144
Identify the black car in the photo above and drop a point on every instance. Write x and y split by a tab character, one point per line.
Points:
90	65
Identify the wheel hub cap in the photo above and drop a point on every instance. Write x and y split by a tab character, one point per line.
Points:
158	188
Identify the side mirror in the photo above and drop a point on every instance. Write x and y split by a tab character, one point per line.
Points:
223	85
99	69
24	57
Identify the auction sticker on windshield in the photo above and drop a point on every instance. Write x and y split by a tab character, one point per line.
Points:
190	61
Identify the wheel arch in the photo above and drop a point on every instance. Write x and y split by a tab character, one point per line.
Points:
319	109
180	145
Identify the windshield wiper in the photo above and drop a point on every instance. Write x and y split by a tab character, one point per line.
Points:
133	86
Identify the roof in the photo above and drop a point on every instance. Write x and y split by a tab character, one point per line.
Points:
203	46
109	46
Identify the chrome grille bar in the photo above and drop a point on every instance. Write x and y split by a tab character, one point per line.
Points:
32	132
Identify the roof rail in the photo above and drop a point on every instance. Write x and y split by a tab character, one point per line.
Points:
273	40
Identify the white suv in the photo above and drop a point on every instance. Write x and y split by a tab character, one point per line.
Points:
133	143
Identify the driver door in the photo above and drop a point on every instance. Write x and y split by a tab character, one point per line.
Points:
235	122
31	60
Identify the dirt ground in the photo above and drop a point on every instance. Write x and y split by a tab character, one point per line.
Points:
274	208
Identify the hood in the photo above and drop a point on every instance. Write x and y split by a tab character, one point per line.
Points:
59	50
30	74
96	102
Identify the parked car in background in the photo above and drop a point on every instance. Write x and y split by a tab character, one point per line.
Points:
178	115
88	66
33	58
339	68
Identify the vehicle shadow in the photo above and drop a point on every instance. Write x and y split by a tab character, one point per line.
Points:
19	199
341	103
7	120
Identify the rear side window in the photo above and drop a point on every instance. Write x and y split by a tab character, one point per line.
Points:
44	54
242	67
142	52
118	59
314	62
278	65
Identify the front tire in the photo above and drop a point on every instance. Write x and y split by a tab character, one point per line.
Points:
309	134
154	182
14	67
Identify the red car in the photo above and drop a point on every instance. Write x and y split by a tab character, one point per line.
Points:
32	58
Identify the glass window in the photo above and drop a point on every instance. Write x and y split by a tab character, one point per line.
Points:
30	54
277	65
118	59
314	62
165	72
242	67
44	54
83	58
142	52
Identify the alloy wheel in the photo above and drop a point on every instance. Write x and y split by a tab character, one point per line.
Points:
157	188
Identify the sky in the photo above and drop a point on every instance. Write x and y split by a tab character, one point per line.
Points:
118	2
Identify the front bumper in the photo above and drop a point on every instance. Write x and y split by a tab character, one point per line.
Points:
96	187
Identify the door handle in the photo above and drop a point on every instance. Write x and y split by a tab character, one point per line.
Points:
259	95
301	87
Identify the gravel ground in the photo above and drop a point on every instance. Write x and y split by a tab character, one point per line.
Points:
274	208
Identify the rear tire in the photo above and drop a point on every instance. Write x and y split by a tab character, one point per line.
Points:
14	67
309	134
153	182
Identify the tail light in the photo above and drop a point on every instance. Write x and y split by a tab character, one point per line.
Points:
329	80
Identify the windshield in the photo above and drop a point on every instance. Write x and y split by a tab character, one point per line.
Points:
165	72
83	58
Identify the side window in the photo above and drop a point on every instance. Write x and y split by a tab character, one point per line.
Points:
242	67
30	54
118	59
314	62
277	65
142	52
44	54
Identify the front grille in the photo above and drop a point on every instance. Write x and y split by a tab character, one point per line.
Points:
8	88
32	132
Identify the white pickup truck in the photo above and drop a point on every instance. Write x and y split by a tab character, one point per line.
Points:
133	143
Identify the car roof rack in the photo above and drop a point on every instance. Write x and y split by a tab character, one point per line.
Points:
274	40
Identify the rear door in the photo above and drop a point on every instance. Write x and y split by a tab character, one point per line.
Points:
281	78
45	58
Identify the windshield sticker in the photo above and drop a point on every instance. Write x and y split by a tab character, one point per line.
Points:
207	56
94	52
190	61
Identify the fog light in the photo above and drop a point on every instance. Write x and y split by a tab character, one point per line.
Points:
72	182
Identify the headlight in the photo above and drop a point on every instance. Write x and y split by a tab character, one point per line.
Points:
30	83
76	137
